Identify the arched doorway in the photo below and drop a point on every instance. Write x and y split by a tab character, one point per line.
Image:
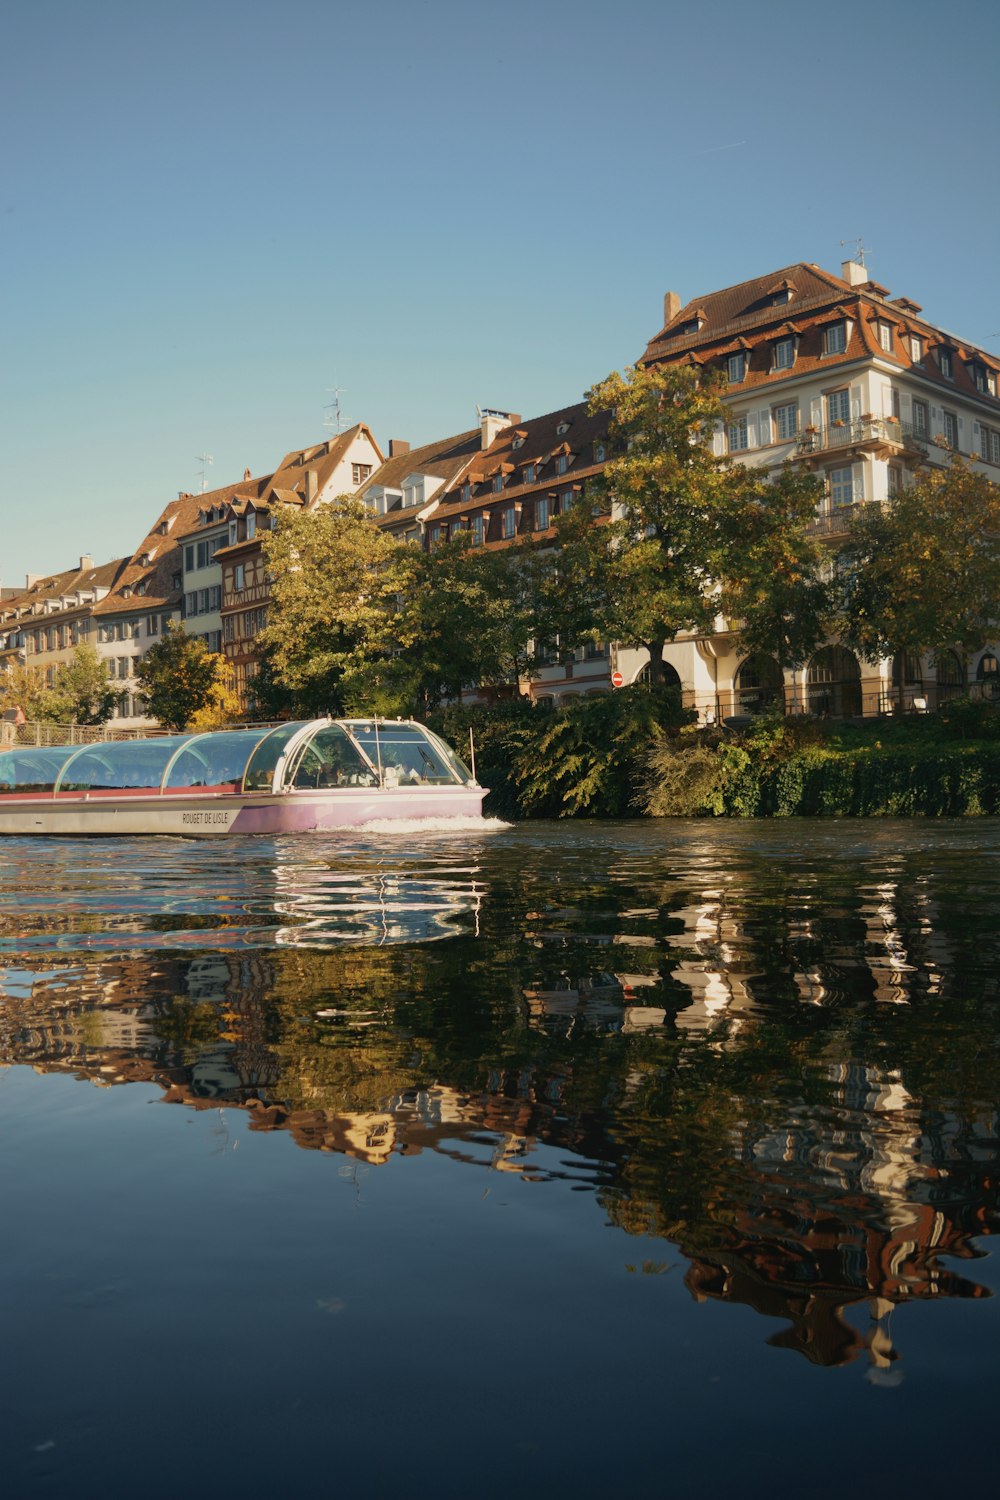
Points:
833	683
950	683
669	676
760	685
907	679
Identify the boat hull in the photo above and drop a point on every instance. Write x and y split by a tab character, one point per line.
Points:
218	814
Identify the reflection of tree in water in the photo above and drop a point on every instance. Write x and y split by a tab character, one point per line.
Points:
789	1088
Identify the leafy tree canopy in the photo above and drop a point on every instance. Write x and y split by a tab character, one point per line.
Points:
81	692
180	678
923	573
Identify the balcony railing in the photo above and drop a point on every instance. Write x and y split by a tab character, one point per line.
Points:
834	522
860	433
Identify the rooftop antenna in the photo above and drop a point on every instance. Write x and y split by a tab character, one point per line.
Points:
336	421
859	254
206	460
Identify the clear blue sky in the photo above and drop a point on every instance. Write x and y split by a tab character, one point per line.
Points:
214	211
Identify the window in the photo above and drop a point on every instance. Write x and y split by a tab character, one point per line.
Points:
497	483
737	435
153	625
893	481
251	525
921	418
838	407
508	523
841	483
735	366
978	373
565	501
595	651
191	604
123	666
189	558
478	530
835	339
945	364
360	472
529	474
434	536
239	578
784	354
562	463
227	628
885	337
786	421
466	492
542	513
916	348
989	445
562	428
950	428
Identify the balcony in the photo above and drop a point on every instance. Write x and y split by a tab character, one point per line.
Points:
835	521
879	435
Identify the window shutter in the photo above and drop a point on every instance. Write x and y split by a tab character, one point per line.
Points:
719	440
816	412
764	427
855	403
857	482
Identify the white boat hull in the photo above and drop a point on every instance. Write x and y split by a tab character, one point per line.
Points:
213	814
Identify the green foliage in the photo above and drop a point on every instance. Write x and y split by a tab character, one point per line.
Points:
924	572
81	692
179	677
585	759
331	591
800	772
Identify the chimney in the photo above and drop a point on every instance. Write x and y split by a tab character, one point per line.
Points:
30	579
853	272
246	474
397	447
492	422
671	307
312	484
86	563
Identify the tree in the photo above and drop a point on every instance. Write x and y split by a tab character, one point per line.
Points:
772	566
179	677
222	705
923	572
653	568
24	687
459	614
331	589
81	692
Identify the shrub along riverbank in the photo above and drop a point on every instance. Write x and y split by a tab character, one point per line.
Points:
635	753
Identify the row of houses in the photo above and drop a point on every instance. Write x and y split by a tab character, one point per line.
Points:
829	371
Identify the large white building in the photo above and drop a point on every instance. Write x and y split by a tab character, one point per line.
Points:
835	373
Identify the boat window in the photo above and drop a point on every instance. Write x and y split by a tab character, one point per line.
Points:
32	770
214	760
329	759
260	767
409	751
121	765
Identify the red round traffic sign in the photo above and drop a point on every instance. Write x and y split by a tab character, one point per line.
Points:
617	680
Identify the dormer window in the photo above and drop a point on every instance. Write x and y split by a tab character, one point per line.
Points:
233	533
466	492
885	337
784	354
945	364
600	453
835	338
562	429
736	367
916	348
562	463
783	295
251	525
693	325
497	483
518	442
529	474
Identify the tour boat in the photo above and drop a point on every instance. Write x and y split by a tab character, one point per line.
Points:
289	778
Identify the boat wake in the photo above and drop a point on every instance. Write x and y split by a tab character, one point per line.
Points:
408	827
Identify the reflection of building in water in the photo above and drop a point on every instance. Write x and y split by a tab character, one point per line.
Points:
842	1207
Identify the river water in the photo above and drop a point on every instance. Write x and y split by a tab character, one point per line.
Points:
540	1160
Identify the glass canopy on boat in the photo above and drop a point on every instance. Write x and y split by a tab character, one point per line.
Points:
305	754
